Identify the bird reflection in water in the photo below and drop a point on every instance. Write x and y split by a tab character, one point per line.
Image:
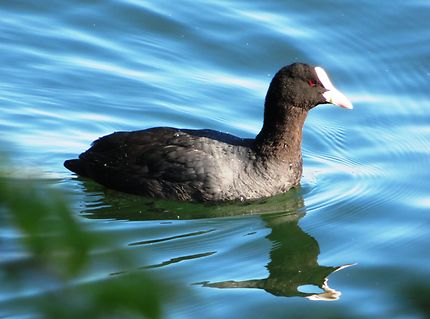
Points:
293	268
293	264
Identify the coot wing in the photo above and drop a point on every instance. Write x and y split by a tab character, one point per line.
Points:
158	161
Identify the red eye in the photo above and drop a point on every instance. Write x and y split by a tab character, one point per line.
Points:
312	83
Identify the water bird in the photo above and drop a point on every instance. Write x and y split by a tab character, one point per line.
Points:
208	165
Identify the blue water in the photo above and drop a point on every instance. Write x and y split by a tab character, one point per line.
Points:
74	71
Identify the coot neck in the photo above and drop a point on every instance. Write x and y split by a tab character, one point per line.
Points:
281	136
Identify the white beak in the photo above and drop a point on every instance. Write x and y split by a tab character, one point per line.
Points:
333	95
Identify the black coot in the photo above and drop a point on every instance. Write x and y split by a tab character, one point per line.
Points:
206	165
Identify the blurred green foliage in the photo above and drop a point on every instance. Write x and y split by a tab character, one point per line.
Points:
57	250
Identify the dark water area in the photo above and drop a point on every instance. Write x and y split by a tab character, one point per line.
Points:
352	242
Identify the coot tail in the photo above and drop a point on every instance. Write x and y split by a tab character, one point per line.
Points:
75	166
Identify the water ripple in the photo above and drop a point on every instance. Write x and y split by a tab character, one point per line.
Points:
159	240
72	74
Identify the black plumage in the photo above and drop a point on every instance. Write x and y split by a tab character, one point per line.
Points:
206	165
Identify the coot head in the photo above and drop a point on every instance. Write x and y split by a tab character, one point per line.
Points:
304	86
294	90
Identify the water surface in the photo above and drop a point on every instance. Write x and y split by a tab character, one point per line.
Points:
72	72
